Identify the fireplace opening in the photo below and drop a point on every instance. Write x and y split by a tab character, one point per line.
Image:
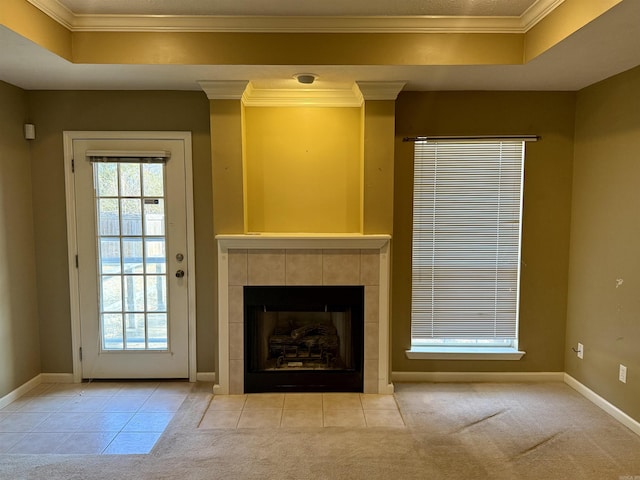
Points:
303	338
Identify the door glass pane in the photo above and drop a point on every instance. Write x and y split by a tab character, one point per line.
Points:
129	179
154	216
132	262
152	179
157	331
131	216
133	293
110	255
156	293
132	255
111	293
135	329
113	332
155	256
108	216
107	179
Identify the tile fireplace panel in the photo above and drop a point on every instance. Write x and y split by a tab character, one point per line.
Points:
266	267
303	267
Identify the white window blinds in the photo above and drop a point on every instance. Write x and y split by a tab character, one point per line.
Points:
467	209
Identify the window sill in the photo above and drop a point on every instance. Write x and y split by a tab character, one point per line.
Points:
464	353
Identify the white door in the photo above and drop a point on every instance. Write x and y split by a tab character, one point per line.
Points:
131	231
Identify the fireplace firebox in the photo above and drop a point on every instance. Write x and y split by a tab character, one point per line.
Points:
303	338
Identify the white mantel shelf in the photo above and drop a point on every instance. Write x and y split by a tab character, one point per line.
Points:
302	241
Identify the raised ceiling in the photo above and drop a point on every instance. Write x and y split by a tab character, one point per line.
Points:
597	50
300	7
296	15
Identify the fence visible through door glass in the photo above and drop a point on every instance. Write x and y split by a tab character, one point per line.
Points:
131	245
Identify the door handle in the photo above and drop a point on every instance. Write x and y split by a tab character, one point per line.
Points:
180	273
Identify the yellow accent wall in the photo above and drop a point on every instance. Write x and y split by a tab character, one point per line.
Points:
202	48
303	169
566	19
25	19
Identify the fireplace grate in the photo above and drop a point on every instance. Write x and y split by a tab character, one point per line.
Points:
303	338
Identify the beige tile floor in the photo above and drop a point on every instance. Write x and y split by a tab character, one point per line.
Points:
129	417
302	410
90	418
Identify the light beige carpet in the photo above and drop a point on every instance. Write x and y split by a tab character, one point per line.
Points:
454	431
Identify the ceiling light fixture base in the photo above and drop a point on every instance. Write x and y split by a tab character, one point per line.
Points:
305	78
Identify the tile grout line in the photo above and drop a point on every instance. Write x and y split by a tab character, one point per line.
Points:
244	403
366	423
205	411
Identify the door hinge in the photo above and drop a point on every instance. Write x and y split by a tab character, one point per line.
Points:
76	261
80	353
73	166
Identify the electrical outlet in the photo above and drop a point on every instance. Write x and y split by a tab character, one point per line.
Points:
580	351
622	375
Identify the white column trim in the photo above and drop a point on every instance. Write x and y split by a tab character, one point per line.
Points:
380	90
384	383
221	387
224	89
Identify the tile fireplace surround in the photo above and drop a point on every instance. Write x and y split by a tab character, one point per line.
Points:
287	259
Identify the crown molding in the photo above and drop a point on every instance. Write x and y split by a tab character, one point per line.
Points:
296	24
224	89
302	97
56	11
380	90
537	12
263	24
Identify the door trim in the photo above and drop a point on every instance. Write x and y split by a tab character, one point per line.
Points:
72	241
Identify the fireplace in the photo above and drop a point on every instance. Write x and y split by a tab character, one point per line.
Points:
294	260
303	338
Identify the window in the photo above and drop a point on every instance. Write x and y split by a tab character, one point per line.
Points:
467	210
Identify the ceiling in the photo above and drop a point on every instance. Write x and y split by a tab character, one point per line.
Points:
604	47
300	7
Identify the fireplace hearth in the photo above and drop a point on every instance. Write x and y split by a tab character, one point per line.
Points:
303	338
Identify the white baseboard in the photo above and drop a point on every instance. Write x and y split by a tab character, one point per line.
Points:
477	377
34	382
597	400
206	377
20	391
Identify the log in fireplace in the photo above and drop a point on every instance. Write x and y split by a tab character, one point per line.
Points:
303	338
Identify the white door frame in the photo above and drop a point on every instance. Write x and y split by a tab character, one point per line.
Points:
72	241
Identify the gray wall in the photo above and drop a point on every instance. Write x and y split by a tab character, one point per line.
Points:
56	111
604	275
19	337
546	216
